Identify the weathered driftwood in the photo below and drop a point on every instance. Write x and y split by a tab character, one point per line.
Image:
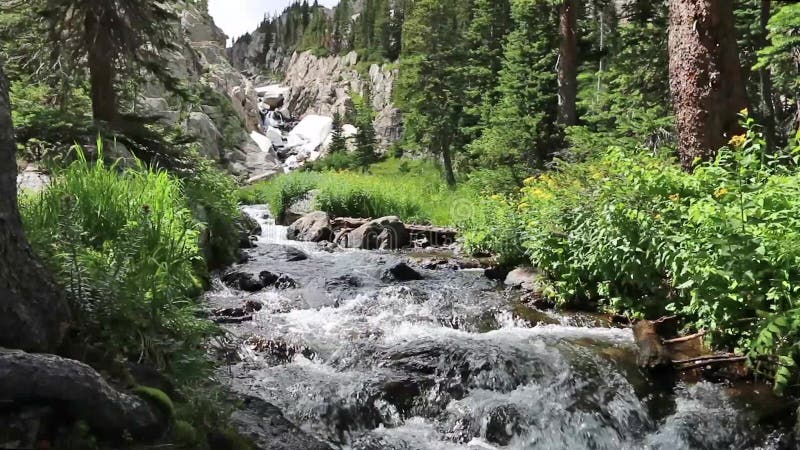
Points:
660	348
80	393
437	236
652	352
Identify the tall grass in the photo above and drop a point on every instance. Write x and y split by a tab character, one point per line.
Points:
125	246
412	190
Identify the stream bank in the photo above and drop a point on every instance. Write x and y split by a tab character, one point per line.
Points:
358	360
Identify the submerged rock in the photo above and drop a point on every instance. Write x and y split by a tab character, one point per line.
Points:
281	281
402	272
243	281
285	282
295	254
266	426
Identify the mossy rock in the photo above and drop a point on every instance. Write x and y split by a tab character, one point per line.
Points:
184	434
158	399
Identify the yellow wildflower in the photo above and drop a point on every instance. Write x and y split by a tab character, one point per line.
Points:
497	197
738	140
675	197
721	192
540	194
658	217
744	112
529	181
523	206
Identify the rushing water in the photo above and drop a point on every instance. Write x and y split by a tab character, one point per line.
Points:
444	363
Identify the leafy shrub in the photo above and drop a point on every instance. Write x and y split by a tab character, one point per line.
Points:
335	161
637	235
125	246
213	200
495	227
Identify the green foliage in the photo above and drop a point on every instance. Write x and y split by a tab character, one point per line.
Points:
627	103
338	141
414	191
46	123
521	131
365	140
282	192
184	434
494	226
158	398
431	83
124	245
375	33
782	53
212	197
638	235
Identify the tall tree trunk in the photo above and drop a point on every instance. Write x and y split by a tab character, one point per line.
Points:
447	159
765	80
33	312
568	64
101	68
705	76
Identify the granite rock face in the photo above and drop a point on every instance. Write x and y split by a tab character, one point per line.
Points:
201	61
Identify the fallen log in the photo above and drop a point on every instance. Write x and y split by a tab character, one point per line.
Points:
80	393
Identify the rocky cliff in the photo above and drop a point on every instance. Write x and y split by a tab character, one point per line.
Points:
322	85
202	63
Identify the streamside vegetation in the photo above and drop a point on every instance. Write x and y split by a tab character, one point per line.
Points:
412	190
103	269
641	154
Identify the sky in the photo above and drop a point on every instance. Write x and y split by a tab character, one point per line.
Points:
237	17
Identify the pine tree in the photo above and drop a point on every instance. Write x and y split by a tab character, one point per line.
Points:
629	106
521	132
110	33
366	141
432	81
338	141
782	57
33	312
490	24
568	63
342	27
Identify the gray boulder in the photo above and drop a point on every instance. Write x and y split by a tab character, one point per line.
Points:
313	227
301	207
210	139
265	425
402	272
524	278
386	233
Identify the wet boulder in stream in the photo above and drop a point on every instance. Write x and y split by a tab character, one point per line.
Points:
386	233
243	281
281	281
268	428
402	272
313	227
